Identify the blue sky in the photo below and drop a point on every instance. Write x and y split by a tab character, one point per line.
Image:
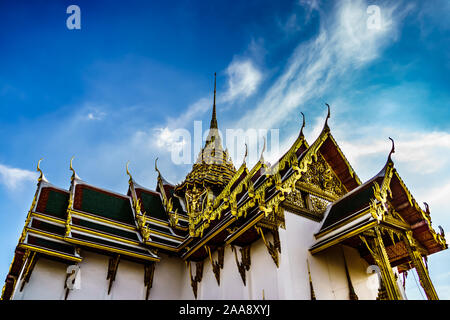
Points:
118	89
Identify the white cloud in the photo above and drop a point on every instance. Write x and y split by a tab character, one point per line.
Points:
93	112
95	115
310	4
243	80
439	195
13	178
169	139
420	152
291	24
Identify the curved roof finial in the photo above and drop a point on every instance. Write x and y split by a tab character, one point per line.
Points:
303	124
74	174
156	166
261	158
128	171
38	169
427	208
160	177
246	152
328	114
392	149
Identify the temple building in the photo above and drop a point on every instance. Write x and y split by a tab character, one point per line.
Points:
305	227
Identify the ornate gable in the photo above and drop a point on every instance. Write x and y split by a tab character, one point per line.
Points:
320	179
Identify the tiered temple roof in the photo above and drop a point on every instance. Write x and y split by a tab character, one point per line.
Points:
217	205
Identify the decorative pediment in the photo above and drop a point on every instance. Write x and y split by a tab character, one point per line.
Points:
321	180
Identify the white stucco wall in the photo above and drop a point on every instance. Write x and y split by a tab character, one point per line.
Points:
46	282
290	280
172	281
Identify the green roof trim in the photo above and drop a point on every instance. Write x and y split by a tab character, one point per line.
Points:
48	244
102	228
48	227
153	206
111	244
176	202
57	204
106	205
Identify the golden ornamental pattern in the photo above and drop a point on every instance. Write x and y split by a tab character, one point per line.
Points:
321	177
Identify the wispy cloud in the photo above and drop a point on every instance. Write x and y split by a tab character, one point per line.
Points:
168	139
95	115
243	80
193	111
344	43
13	178
422	152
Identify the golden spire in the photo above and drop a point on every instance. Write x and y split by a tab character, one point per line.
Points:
213	167
213	124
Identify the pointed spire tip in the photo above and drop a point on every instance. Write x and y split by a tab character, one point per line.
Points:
214	119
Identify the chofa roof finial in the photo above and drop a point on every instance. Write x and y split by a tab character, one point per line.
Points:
303	124
427	208
38	169
328	115
74	174
156	167
392	149
261	158
246	153
128	171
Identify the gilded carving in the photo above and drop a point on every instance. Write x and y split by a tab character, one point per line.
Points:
198	276
244	264
113	265
320	177
420	267
149	271
295	199
272	247
217	265
376	248
318	205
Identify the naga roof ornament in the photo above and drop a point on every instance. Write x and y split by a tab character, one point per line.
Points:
41	176
74	174
328	117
